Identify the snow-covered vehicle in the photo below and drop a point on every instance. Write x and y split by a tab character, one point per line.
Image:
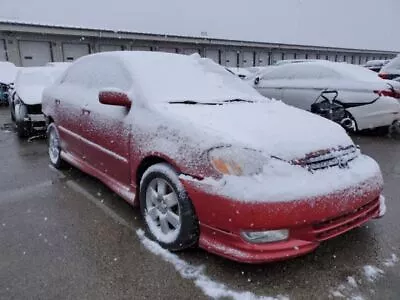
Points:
209	160
391	70
376	65
26	100
366	101
8	72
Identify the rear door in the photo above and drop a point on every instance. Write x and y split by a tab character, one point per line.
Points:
274	80
68	98
107	128
305	85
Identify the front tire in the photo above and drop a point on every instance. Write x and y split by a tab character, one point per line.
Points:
167	210
54	146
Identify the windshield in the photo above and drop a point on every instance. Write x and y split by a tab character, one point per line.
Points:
172	78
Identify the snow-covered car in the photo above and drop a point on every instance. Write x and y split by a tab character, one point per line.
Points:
26	100
209	160
359	99
391	70
376	65
8	72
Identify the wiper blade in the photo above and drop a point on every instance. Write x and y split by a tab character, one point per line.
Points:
190	102
237	100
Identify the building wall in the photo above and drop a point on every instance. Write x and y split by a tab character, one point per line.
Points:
67	46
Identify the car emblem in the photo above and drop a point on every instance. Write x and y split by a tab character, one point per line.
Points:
343	163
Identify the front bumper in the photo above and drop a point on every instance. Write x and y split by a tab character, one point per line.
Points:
309	221
36	121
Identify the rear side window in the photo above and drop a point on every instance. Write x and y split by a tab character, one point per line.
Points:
98	73
394	64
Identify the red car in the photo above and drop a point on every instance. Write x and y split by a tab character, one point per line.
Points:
209	161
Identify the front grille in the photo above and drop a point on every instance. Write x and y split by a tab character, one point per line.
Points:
34	109
328	158
333	227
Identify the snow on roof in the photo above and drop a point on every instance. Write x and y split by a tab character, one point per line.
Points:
176	77
310	22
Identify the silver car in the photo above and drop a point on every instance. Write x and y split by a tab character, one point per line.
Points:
350	95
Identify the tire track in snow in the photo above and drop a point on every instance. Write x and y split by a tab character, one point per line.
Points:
209	287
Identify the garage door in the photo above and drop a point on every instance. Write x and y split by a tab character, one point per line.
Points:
213	54
262	59
74	51
141	48
168	50
289	55
231	59
106	48
312	56
300	56
247	59
3	54
190	51
276	56
349	59
34	54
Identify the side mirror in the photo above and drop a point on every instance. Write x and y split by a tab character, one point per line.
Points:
257	80
115	98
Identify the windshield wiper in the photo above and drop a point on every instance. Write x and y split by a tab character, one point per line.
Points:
237	100
190	102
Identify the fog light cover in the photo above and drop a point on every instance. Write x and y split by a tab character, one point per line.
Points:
268	236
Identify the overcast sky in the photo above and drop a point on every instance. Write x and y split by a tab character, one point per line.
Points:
365	24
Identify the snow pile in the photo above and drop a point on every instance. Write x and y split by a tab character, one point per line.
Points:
372	273
212	289
8	72
382	206
392	261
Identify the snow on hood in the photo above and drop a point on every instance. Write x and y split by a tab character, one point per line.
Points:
270	126
8	72
31	94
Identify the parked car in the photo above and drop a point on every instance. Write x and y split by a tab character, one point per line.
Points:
26	100
363	100
8	73
376	65
391	70
209	160
293	61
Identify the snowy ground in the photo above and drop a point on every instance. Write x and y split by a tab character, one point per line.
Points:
64	235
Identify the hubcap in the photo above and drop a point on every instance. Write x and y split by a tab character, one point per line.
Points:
54	149
162	210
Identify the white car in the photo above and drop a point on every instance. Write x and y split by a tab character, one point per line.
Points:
26	100
391	70
351	95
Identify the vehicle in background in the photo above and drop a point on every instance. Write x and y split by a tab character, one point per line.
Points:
26	100
293	61
242	73
209	160
8	72
367	101
58	64
391	70
376	65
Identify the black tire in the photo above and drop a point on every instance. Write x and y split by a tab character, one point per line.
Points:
55	160
188	234
22	130
12	109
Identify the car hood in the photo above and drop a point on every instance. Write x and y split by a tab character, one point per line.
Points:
271	127
30	94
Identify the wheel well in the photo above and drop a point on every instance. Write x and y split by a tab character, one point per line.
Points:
50	120
145	164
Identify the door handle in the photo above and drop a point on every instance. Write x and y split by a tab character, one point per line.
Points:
85	111
57	101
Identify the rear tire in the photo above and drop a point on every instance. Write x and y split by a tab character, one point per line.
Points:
54	147
22	130
168	212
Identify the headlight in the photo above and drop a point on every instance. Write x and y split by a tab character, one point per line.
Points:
269	236
237	161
